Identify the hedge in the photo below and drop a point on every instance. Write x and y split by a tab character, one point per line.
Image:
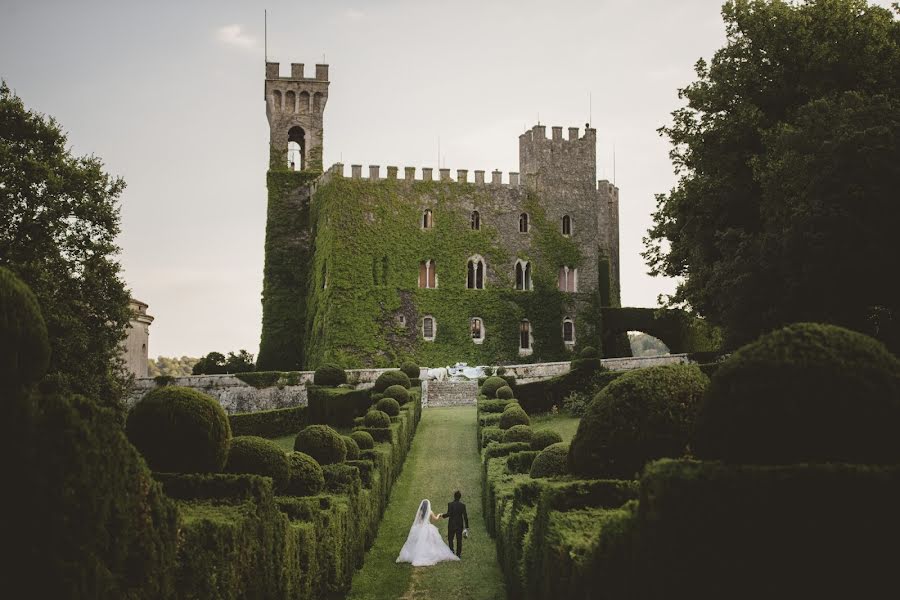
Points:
388	406
342	479
518	433
259	456
336	406
491	434
329	375
269	423
398	393
543	438
322	443
389	378
363	440
520	462
306	475
513	415
491	385
551	462
377	419
24	346
504	393
493	406
489	419
541	396
411	369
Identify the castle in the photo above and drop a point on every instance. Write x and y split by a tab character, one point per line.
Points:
369	271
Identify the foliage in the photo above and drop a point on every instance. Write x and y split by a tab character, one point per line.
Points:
166	366
589	352
520	462
513	415
576	403
543	438
493	406
363	440
398	393
411	369
377	419
269	423
491	434
541	396
643	415
180	430
336	406
330	375
24	349
646	345
804	393
504	393
259	456
216	363
677	329
491	385
352	447
788	152
60	218
518	433
322	443
342	479
552	461
264	379
306	476
389	378
388	406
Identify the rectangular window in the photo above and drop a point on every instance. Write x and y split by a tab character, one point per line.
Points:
428	328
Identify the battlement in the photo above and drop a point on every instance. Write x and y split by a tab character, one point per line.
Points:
273	70
538	133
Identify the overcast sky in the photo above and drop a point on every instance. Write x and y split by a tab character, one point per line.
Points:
170	95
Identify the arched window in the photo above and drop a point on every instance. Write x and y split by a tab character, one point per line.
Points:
290	102
296	148
429	327
427	219
566	225
525	337
568	279
304	102
276	99
475	273
523	275
568	332
477	327
318	104
476	220
427	276
523	223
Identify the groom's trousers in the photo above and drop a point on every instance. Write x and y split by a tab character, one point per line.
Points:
455	533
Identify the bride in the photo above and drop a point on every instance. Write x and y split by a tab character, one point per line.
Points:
424	545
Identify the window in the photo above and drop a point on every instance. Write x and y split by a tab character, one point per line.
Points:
476	220
523	275
524	337
477	327
427	220
566	225
318	102
523	223
475	273
401	320
296	148
568	332
428	328
568	279
427	276
290	102
304	102
276	99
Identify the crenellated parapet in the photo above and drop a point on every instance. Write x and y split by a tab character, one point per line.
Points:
555	160
409	174
295	106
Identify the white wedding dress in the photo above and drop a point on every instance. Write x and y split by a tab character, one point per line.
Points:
424	545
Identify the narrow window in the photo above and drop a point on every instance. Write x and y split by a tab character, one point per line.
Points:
318	103
427	220
475	273
568	279
523	275
568	331
427	277
276	99
525	335
527	276
477	327
428	328
566	225
304	102
296	148
476	220
290	102
523	223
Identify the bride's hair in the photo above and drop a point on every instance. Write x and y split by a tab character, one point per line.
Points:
423	509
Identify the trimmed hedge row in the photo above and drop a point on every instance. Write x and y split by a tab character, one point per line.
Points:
336	406
269	423
541	396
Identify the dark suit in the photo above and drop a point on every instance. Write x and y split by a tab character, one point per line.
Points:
456	513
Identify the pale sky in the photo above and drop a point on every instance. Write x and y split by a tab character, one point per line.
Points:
170	96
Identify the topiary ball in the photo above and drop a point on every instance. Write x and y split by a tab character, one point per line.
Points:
24	349
543	438
518	433
377	419
512	416
389	406
491	385
322	443
504	393
804	393
180	430
398	393
643	415
363	439
389	378
352	447
589	352
411	369
552	461
307	477
252	454
329	375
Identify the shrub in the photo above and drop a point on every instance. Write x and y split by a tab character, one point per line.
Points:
504	393
643	415
336	406
180	430
589	352
363	439
491	434
520	462
514	415
329	375
24	349
388	406
252	454
342	479
493	406
518	433
498	450
352	447
398	393
489	419
269	423
377	419
491	385
576	404
322	443
307	478
543	438
552	461
389	378
411	370
804	393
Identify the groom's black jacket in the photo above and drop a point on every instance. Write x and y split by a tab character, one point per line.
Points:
456	512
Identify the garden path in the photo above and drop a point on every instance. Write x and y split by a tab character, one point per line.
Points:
443	458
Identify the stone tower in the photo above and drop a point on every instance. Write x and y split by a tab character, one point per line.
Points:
295	106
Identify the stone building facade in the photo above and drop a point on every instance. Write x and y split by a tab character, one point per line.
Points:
137	343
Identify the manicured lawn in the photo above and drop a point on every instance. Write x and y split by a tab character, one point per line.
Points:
443	458
565	425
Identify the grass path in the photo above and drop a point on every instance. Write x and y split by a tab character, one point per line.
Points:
443	458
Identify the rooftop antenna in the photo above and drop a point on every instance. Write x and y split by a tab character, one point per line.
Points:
614	163
439	152
266	35
590	107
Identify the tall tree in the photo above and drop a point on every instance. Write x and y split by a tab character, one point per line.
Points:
59	217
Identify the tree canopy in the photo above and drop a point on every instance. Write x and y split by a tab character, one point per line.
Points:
788	156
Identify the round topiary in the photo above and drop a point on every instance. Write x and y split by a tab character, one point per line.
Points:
307	477
24	349
377	419
589	352
252	454
512	416
180	430
363	439
491	385
388	406
552	461
322	443
352	447
398	393
543	438
411	369
804	393
389	378
504	393
643	415
518	433
330	375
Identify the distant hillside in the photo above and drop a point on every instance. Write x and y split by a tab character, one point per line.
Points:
646	345
171	366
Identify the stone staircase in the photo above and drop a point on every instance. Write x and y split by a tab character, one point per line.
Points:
449	392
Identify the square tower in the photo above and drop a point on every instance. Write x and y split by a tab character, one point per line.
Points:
295	107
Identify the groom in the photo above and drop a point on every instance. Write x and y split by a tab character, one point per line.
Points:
456	512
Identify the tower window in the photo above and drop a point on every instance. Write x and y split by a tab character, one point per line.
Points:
477	327
276	99
427	219
304	102
427	276
296	148
525	337
475	273
523	223
428	328
523	275
566	225
290	102
568	331
568	279
476	220
318	104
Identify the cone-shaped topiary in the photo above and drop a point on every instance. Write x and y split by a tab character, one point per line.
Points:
389	406
24	349
804	393
377	419
398	393
491	385
504	393
363	439
322	443
352	447
589	352
513	415
543	438
643	415
252	454
329	375
180	430
411	369
307	478
552	461
389	378
518	433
